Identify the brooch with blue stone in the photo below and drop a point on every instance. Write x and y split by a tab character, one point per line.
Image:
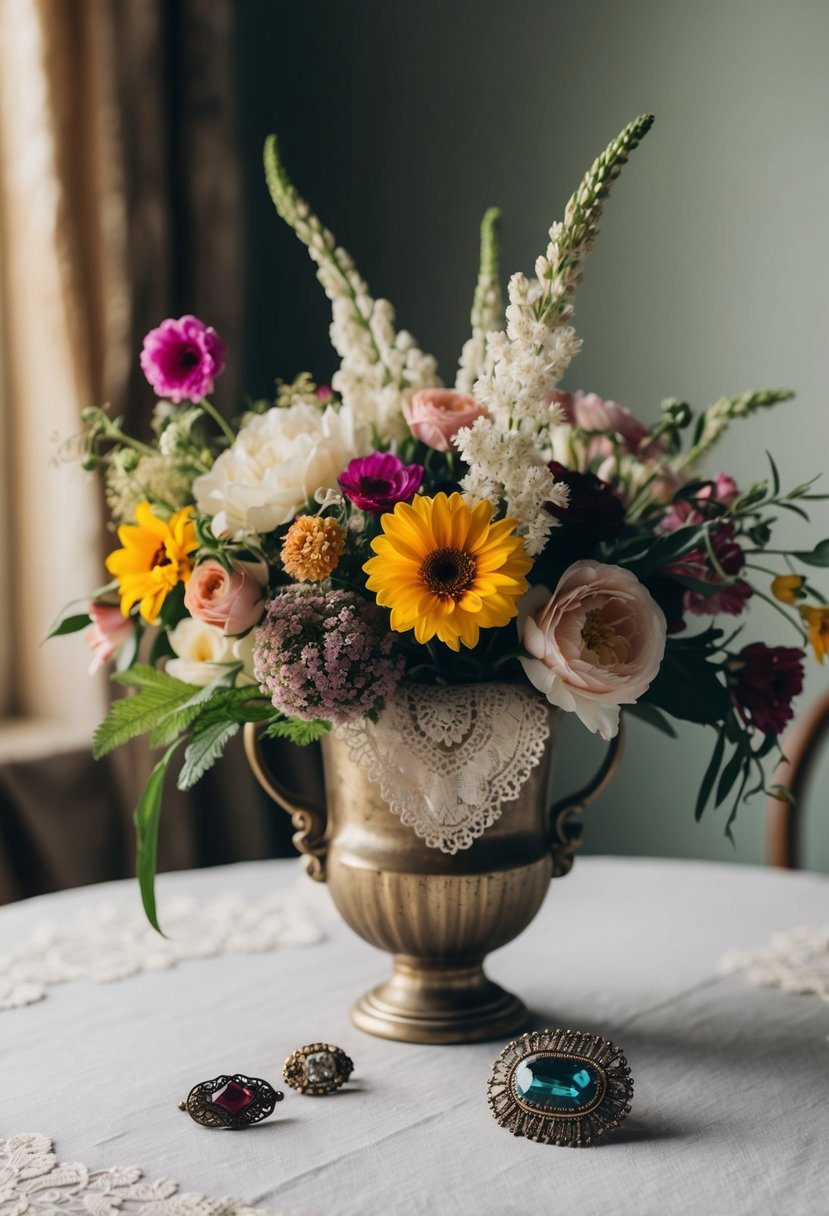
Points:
560	1087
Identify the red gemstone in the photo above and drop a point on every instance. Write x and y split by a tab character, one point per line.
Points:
233	1098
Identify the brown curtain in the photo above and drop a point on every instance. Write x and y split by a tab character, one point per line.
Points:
121	206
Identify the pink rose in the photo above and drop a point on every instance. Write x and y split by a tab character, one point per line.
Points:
589	412
435	415
107	634
594	644
231	600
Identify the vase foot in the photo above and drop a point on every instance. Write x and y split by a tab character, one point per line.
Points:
429	1002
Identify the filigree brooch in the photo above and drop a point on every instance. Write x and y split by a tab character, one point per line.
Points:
560	1087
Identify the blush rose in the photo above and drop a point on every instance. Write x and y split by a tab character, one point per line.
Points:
593	644
230	600
435	415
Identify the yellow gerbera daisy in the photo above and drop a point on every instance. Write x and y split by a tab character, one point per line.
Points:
155	557
444	569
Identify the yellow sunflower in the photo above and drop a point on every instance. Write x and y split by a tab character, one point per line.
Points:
443	568
155	557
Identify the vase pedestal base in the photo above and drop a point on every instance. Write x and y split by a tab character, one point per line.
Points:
428	1001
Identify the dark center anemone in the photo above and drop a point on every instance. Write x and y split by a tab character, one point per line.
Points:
448	573
189	357
375	485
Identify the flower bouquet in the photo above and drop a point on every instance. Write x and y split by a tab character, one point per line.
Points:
337	548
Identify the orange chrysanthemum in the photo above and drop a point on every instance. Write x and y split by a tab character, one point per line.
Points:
312	548
154	559
446	570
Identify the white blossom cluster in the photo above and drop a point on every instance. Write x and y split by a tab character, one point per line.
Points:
175	437
524	363
380	367
508	465
131	478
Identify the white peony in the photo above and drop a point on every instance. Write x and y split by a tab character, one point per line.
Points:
278	462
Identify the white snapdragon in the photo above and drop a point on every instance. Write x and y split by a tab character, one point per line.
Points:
525	362
508	466
379	366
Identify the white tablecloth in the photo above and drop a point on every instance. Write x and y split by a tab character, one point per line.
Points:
731	1107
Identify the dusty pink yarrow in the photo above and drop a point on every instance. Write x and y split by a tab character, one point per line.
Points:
181	359
327	656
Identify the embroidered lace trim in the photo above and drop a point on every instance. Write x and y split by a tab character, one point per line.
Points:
108	941
32	1180
796	960
446	759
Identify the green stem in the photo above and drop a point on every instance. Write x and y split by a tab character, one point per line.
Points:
218	419
111	431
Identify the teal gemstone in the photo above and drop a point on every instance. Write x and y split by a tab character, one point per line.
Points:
554	1081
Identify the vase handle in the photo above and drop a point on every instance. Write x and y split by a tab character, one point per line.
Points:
567	832
309	821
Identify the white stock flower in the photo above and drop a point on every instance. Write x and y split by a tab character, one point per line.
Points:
280	459
200	651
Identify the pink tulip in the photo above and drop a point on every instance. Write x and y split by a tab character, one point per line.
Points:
107	634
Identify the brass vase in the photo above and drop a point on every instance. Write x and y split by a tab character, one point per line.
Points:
437	914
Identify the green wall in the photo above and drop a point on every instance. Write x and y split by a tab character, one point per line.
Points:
402	122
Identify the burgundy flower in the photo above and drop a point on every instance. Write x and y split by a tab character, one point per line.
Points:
721	491
182	358
592	505
731	597
376	482
763	682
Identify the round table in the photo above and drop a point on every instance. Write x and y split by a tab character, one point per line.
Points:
730	1111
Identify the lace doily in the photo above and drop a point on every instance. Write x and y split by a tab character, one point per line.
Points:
446	759
34	1182
109	941
796	960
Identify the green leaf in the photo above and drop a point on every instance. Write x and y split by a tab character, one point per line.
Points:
819	556
667	548
730	774
223	705
710	776
147	815
141	676
775	476
651	715
689	687
203	752
69	624
298	731
131	716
